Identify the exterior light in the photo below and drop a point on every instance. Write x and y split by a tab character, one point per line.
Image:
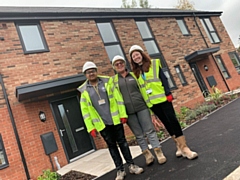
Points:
42	116
205	67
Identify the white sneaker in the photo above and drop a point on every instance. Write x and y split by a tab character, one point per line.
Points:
120	175
134	169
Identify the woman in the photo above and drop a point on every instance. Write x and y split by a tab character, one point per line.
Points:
139	118
157	94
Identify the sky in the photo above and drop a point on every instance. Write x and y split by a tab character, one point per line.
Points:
230	8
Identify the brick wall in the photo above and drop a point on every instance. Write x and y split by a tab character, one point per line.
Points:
71	44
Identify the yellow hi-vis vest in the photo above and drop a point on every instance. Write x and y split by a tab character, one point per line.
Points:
145	97
91	117
153	83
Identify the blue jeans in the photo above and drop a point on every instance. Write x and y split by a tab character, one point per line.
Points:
141	124
114	135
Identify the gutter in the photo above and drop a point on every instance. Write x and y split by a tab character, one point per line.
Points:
14	128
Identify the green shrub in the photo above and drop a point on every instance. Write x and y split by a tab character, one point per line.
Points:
49	175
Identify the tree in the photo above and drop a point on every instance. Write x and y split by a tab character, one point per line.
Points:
185	4
127	5
142	4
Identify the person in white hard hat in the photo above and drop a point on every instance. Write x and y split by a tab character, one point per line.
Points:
139	117
155	89
104	112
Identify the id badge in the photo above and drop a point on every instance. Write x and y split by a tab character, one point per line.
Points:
101	101
149	91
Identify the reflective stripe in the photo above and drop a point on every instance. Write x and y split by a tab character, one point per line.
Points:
86	116
116	113
154	70
156	96
83	100
95	120
142	85
110	96
120	103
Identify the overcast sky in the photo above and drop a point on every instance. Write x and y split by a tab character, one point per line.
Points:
230	8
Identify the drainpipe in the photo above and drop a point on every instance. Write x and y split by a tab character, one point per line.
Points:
224	80
15	128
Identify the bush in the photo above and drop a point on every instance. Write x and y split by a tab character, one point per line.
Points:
49	175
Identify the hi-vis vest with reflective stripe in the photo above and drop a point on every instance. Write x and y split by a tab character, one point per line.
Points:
145	97
154	83
91	117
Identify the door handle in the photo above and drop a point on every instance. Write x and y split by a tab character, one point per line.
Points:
61	131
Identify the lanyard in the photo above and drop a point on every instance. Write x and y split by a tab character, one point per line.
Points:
97	91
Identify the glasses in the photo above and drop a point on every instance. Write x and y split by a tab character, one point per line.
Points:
91	72
119	63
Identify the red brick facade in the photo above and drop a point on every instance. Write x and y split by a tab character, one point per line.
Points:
73	42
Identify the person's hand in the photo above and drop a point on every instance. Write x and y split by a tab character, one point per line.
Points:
123	120
93	133
169	98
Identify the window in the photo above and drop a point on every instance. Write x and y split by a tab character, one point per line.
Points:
3	157
222	67
211	32
182	26
180	75
235	60
32	38
153	50
110	40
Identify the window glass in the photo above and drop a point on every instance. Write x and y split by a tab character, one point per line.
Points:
182	26
3	157
106	32
170	82
144	30
222	67
151	47
113	51
209	24
235	60
180	75
215	37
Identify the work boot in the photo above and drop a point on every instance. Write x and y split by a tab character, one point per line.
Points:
120	175
186	152
148	156
178	153
160	156
134	169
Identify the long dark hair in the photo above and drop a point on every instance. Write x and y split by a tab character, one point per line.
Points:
146	63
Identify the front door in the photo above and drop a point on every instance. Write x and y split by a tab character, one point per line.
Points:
199	79
76	140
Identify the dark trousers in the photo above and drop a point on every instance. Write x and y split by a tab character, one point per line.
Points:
166	114
114	135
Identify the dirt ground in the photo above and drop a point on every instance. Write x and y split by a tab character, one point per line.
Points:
75	175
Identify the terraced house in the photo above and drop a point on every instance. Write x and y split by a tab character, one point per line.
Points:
42	53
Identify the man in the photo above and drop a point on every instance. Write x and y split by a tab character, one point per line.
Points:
103	111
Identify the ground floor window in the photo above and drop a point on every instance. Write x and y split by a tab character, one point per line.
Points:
3	157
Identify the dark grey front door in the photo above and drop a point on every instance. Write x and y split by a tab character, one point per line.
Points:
72	130
199	79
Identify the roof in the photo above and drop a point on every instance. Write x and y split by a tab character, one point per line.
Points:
200	54
19	13
32	91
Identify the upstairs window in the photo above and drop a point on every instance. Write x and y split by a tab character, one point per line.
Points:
31	37
110	40
235	60
3	156
153	50
182	26
210	30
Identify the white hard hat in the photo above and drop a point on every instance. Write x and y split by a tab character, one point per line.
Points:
88	65
116	58
135	48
